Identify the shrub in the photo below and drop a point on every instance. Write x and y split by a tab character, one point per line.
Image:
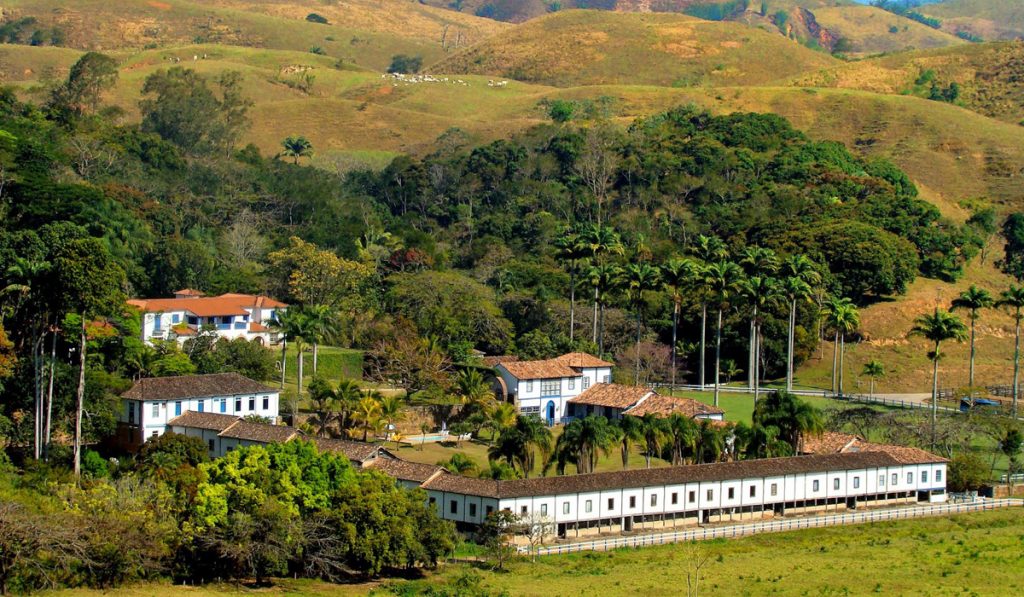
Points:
967	472
315	18
404	64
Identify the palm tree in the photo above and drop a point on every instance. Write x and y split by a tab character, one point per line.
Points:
367	413
794	418
683	432
653	430
459	464
763	293
297	147
640	277
1013	298
873	370
501	418
843	318
391	411
723	281
630	430
604	278
347	395
323	402
709	444
973	300
599	241
293	325
536	438
938	327
757	262
472	387
684	275
800	276
580	443
322	324
570	250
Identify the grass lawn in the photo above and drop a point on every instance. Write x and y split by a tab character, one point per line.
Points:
971	554
333	364
740	407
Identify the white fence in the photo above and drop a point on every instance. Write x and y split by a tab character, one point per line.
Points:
773	526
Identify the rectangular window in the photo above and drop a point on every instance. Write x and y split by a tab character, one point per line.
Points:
611	503
157	322
753	491
856	482
212	445
775	489
572	383
225	319
529	387
565	507
586	382
551	387
523	510
266	403
156	409
201	405
175	318
238	405
223	405
835	483
432	501
453	507
177	408
675	499
488	510
543	509
131	412
711	494
938	476
632	501
472	509
252	403
910	478
895	479
588	506
732	492
924	476
692	497
155	433
607	379
193	320
654	500
881	480
816	485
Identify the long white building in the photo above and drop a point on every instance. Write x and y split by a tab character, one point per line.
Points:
695	494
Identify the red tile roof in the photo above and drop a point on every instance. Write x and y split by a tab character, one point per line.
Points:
189	292
260	432
550	369
612	395
212	306
357	452
663	406
902	454
582	360
405	470
830	442
194	386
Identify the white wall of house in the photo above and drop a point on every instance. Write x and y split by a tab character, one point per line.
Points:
152	416
208	436
157	325
534	395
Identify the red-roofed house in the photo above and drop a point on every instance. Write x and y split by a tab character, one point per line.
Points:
229	315
544	388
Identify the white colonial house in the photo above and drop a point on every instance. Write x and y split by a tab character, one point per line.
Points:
228	315
694	494
545	387
150	405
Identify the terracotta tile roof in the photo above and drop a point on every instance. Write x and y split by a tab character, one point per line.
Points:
357	452
258	327
582	360
550	369
663	406
405	470
189	292
612	395
260	432
197	420
493	361
212	306
722	471
830	442
194	386
902	454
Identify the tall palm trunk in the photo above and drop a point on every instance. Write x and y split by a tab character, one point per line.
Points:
790	346
935	394
595	315
600	336
750	351
835	363
718	355
298	386
1016	366
49	396
80	401
970	374
842	361
703	333
316	354
675	341
757	363
38	372
572	303
636	375
284	360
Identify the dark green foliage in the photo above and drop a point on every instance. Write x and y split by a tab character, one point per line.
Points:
1013	260
968	472
715	11
403	64
316	18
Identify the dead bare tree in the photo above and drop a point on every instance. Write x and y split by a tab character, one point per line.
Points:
536	527
698	556
597	164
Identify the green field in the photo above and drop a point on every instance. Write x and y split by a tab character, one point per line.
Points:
333	364
973	554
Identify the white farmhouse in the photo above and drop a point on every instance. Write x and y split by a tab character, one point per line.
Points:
228	315
545	387
152	403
